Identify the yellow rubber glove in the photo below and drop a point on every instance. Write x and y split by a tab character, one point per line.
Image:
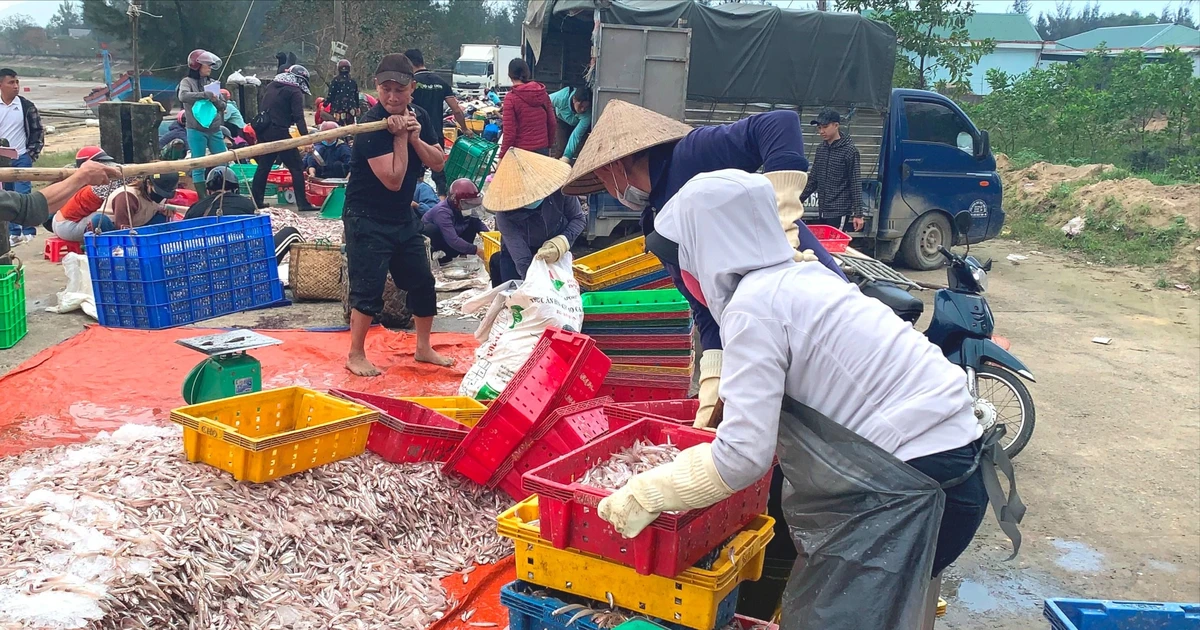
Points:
553	249
788	186
689	482
710	381
805	256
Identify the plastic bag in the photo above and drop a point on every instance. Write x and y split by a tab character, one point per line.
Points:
518	314
253	80
864	522
236	78
78	294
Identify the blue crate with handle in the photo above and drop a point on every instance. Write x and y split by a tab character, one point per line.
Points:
177	273
531	607
1095	614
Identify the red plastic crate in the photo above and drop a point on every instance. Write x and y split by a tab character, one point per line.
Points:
316	192
406	431
657	284
624	387
834	240
653	360
631	317
280	177
643	342
675	411
563	368
563	431
672	543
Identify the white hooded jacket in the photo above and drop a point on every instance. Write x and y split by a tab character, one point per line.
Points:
798	329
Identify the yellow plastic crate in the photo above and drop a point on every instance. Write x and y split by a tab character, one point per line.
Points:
462	409
266	435
628	259
689	599
491	245
621	279
476	125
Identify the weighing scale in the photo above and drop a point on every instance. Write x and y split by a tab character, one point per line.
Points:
227	370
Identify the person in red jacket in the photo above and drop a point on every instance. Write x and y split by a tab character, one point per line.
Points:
529	121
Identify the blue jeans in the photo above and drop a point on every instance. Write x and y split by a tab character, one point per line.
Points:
22	161
201	143
104	223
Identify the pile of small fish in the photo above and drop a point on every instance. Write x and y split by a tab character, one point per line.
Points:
623	465
311	228
123	532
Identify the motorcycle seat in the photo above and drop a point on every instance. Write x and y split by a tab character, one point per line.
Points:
907	306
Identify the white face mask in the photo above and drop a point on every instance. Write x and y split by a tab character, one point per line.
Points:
631	197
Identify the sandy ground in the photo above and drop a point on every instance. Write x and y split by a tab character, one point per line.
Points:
1111	477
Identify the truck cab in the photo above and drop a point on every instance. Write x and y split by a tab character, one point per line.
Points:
483	67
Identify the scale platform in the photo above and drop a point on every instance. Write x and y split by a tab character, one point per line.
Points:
231	342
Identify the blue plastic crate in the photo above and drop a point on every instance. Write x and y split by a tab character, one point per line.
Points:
178	273
527	611
1094	614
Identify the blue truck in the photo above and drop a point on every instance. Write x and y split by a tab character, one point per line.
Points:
922	158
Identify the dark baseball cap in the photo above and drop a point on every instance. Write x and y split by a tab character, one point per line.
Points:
394	67
165	184
826	117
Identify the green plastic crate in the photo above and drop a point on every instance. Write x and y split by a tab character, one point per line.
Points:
471	158
12	305
624	302
245	175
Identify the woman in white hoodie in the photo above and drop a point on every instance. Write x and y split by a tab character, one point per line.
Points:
871	424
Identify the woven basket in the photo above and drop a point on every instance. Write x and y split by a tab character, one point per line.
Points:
395	314
316	272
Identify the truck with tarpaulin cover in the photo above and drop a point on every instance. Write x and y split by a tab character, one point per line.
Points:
923	160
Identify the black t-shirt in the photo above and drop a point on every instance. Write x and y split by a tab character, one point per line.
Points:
232	204
366	196
430	95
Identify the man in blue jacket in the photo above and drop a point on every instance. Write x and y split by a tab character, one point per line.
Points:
329	158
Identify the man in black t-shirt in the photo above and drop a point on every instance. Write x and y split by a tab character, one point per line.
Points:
383	233
431	93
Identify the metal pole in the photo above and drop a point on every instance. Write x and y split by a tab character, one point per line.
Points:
137	69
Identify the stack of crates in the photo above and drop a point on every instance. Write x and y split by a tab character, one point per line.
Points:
683	571
471	158
648	335
245	175
623	267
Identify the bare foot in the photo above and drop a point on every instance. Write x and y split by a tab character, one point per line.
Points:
361	366
429	356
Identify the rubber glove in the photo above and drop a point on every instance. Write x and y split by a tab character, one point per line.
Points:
553	249
710	381
805	256
689	482
788	186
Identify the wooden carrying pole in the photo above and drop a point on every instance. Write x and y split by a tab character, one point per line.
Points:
233	155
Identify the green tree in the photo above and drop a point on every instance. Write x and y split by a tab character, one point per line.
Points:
1020	6
932	35
67	17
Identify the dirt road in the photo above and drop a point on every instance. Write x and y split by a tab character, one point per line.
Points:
1111	477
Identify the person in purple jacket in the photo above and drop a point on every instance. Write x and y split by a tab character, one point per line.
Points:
450	226
643	158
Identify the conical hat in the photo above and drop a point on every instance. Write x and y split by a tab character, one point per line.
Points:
623	129
522	178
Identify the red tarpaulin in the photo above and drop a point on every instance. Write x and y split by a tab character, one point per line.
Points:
103	378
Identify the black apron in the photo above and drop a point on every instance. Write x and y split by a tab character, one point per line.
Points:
865	524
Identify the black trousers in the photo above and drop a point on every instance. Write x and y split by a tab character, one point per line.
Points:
966	503
437	241
373	248
502	268
295	165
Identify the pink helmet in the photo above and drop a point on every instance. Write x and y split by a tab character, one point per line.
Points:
179	117
199	56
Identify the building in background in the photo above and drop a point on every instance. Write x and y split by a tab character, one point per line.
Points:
1152	39
1019	48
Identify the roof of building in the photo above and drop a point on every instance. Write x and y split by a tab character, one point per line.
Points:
1139	36
1002	27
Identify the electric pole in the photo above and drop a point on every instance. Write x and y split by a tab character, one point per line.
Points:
137	69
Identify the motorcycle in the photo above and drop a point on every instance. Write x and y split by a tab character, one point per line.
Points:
962	327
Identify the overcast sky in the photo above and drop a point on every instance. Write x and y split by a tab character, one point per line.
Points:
42	10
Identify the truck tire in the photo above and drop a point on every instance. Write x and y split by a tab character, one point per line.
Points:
919	249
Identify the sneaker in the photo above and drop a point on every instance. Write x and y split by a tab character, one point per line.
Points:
13	240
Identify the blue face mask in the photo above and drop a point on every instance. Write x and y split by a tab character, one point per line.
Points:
534	205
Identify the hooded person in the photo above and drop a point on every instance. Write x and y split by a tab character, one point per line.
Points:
329	158
643	158
533	216
283	101
450	225
343	95
874	429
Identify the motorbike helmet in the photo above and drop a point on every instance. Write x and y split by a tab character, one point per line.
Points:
301	73
94	154
226	94
199	57
327	125
464	194
344	65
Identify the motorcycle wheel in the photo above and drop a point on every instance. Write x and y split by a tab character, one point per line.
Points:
1013	405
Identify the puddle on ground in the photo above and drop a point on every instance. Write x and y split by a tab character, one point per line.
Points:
980	591
976	597
1077	557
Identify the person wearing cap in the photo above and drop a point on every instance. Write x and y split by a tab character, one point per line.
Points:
283	100
872	426
383	233
343	95
573	112
202	138
835	175
141	202
34	208
329	158
643	158
450	226
232	118
534	217
434	95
